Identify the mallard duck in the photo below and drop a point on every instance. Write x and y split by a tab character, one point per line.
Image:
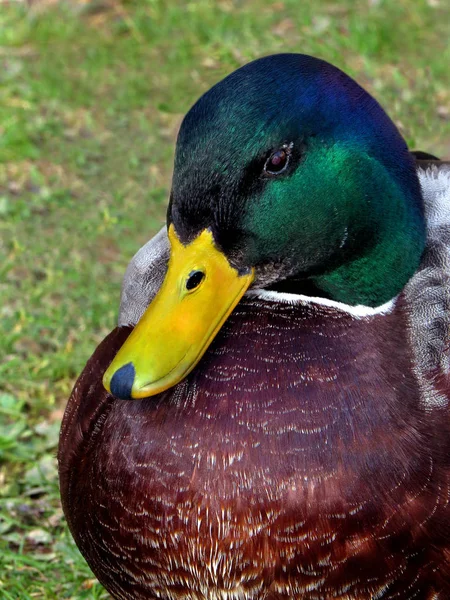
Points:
270	418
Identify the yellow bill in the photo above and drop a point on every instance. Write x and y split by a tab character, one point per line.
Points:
199	292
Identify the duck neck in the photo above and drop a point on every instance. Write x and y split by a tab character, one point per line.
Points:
384	255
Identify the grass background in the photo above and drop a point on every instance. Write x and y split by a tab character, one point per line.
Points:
91	97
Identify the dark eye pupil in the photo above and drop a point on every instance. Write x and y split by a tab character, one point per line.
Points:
278	158
194	280
277	161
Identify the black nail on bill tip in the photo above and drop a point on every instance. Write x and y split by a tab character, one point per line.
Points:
122	382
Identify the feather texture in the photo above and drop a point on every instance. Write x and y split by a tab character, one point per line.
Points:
308	455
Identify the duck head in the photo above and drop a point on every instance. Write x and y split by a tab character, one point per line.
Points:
287	174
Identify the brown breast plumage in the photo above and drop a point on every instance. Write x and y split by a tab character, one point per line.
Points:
296	461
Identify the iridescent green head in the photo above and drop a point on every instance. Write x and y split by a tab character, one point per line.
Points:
299	173
287	175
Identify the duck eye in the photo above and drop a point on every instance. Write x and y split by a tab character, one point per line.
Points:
194	280
278	161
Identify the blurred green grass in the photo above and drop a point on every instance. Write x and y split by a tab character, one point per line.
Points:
91	97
